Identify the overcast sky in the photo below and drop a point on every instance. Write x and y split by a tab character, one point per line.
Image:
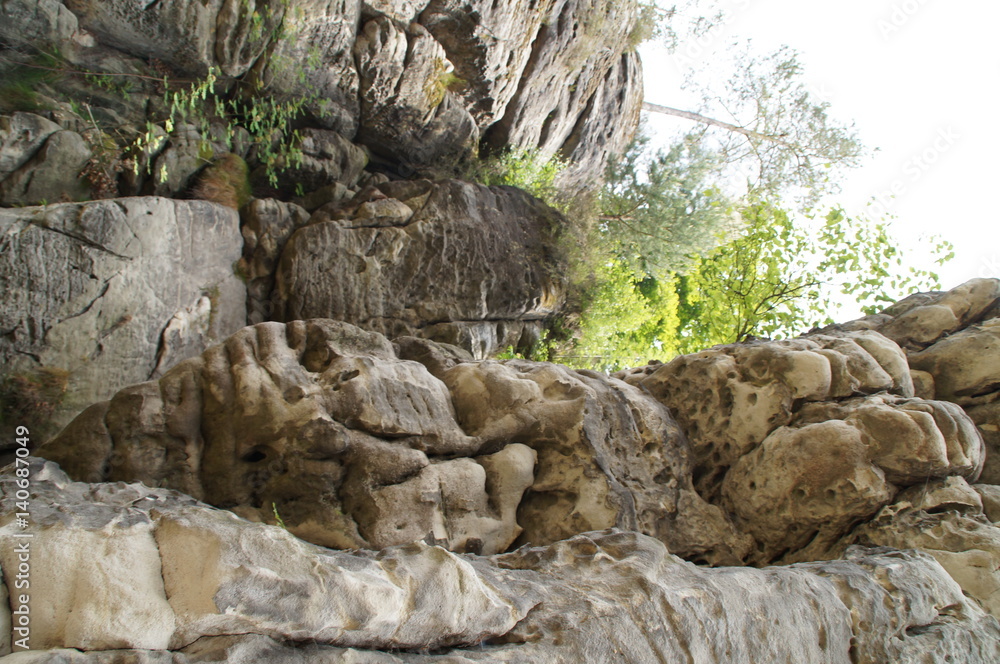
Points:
919	78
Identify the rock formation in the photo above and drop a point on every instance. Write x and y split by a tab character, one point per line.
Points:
115	292
119	578
450	260
396	87
350	478
792	452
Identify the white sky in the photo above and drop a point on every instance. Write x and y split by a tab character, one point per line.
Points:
921	81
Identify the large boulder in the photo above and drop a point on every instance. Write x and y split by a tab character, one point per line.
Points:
425	258
114	292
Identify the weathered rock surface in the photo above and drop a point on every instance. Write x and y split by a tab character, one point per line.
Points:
115	292
352	446
259	593
21	136
730	398
570	81
51	175
952	340
416	82
455	261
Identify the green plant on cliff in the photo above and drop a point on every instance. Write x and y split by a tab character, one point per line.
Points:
442	79
526	169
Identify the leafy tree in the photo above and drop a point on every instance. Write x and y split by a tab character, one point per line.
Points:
656	214
778	133
627	321
779	278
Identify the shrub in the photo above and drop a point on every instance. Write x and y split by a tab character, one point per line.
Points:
226	182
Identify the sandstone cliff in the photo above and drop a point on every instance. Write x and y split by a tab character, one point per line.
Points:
293	445
382	90
793	452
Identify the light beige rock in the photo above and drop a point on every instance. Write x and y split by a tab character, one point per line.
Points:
990	496
322	423
319	424
804	486
728	399
987	419
99	290
965	365
940	520
910	439
51	175
922	319
580	96
590	434
241	592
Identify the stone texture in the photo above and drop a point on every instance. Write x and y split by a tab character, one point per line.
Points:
923	318
313	57
352	446
36	22
417	82
189	35
266	225
21	136
965	365
408	112
590	434
114	291
728	399
467	254
51	175
326	158
945	519
577	97
259	593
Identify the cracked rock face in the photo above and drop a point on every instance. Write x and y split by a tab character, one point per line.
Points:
115	291
455	261
418	82
261	594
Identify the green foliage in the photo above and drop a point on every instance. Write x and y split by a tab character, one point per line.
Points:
541	350
525	169
277	517
656	214
21	81
779	278
627	321
441	81
267	118
787	143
